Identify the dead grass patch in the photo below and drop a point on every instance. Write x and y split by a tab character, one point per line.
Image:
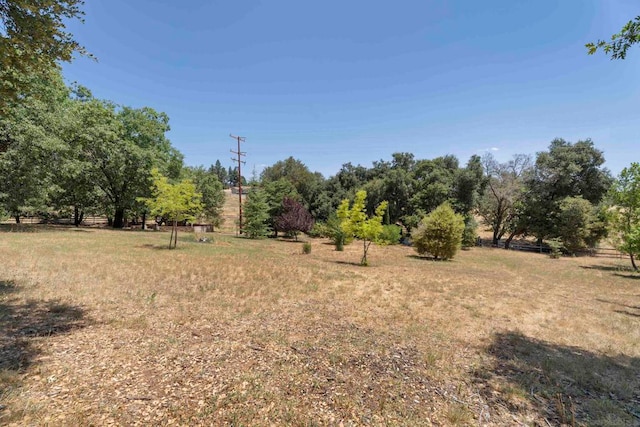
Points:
99	328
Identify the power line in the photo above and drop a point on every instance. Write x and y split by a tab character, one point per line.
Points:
239	155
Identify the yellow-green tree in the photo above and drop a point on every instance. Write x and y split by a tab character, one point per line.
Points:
355	222
176	202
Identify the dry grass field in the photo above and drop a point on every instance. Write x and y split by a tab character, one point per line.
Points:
101	327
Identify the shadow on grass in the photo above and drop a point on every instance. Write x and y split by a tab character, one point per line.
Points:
633	307
357	264
634	276
628	313
563	385
40	228
24	323
164	247
287	240
617	268
427	258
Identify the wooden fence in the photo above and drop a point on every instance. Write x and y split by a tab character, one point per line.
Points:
518	245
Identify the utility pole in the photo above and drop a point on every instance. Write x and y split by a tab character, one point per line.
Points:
239	155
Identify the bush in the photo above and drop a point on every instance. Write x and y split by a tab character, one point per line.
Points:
439	233
556	247
390	235
306	248
320	229
334	232
339	238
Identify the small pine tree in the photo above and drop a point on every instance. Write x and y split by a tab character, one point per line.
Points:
440	233
256	215
470	233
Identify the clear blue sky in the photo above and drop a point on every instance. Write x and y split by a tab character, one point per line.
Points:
331	82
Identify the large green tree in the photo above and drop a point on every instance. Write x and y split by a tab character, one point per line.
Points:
394	183
275	192
580	224
625	199
566	170
434	183
75	188
468	186
220	172
208	184
307	184
33	38
128	143
32	148
620	42
499	205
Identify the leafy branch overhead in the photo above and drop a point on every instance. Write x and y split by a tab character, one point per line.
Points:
620	42
33	38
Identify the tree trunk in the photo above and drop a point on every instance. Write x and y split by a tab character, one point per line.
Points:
363	261
17	217
175	235
144	220
507	242
633	262
118	218
77	216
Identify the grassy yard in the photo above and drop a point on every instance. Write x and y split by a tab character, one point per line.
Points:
102	327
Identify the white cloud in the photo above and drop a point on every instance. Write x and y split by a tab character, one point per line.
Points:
486	150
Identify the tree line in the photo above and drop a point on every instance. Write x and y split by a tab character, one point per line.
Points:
563	195
65	153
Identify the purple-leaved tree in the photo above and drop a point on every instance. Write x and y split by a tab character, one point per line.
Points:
294	218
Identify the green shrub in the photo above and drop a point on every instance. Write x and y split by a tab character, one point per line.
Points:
320	229
390	235
306	248
337	235
339	238
470	233
439	233
556	247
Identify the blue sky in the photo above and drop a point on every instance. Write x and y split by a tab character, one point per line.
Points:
353	81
